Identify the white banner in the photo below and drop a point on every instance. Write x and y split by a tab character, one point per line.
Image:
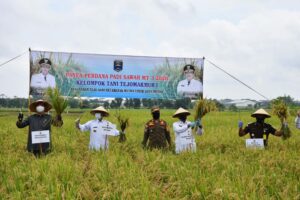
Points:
40	137
255	143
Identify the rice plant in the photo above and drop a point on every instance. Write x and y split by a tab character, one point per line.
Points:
59	104
123	123
280	109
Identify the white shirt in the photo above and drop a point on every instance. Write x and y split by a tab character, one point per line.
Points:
184	139
39	81
297	121
189	89
99	133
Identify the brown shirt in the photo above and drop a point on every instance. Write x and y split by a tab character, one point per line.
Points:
158	134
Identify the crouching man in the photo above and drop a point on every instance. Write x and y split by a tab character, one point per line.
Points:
99	129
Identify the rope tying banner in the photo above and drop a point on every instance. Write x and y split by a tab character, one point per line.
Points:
13	58
237	79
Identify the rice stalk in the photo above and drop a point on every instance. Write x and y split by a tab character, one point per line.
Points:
123	123
280	109
59	104
204	106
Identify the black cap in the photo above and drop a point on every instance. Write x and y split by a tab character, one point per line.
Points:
188	67
45	61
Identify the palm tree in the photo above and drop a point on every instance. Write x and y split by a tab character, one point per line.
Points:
59	104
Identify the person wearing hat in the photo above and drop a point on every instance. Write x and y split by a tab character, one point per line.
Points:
259	129
189	87
156	132
43	79
39	123
184	139
99	129
297	120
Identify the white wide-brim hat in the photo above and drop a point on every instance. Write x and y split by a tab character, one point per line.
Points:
181	111
261	112
100	109
33	105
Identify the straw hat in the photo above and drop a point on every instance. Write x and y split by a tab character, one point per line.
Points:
261	112
100	109
33	105
181	111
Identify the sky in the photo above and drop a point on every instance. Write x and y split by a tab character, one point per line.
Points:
256	41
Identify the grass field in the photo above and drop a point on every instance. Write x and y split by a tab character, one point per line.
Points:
220	169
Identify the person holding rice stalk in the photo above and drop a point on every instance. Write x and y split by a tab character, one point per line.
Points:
184	139
39	127
99	129
259	129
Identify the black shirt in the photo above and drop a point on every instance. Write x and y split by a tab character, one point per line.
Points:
258	130
36	123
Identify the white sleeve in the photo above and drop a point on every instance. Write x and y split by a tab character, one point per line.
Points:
85	127
296	119
33	81
115	131
200	87
52	85
179	89
180	129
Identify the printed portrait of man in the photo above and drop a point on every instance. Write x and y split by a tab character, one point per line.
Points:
189	87
43	79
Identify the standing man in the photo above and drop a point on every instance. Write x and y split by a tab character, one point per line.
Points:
43	79
297	120
156	131
99	129
189	87
184	139
39	128
259	129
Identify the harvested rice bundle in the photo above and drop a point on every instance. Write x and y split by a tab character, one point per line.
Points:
281	110
204	106
123	123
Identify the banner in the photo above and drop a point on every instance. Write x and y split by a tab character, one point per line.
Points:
116	76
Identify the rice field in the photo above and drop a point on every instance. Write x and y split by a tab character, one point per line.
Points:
222	168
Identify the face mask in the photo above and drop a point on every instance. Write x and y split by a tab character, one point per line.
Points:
156	115
260	119
40	109
182	118
98	115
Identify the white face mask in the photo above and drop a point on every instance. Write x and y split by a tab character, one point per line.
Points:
98	115
40	109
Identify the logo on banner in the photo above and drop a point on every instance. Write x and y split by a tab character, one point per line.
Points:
118	65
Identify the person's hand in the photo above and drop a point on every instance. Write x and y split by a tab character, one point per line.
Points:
20	116
240	124
77	122
198	123
191	124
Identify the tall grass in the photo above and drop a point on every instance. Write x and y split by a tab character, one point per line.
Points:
220	169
